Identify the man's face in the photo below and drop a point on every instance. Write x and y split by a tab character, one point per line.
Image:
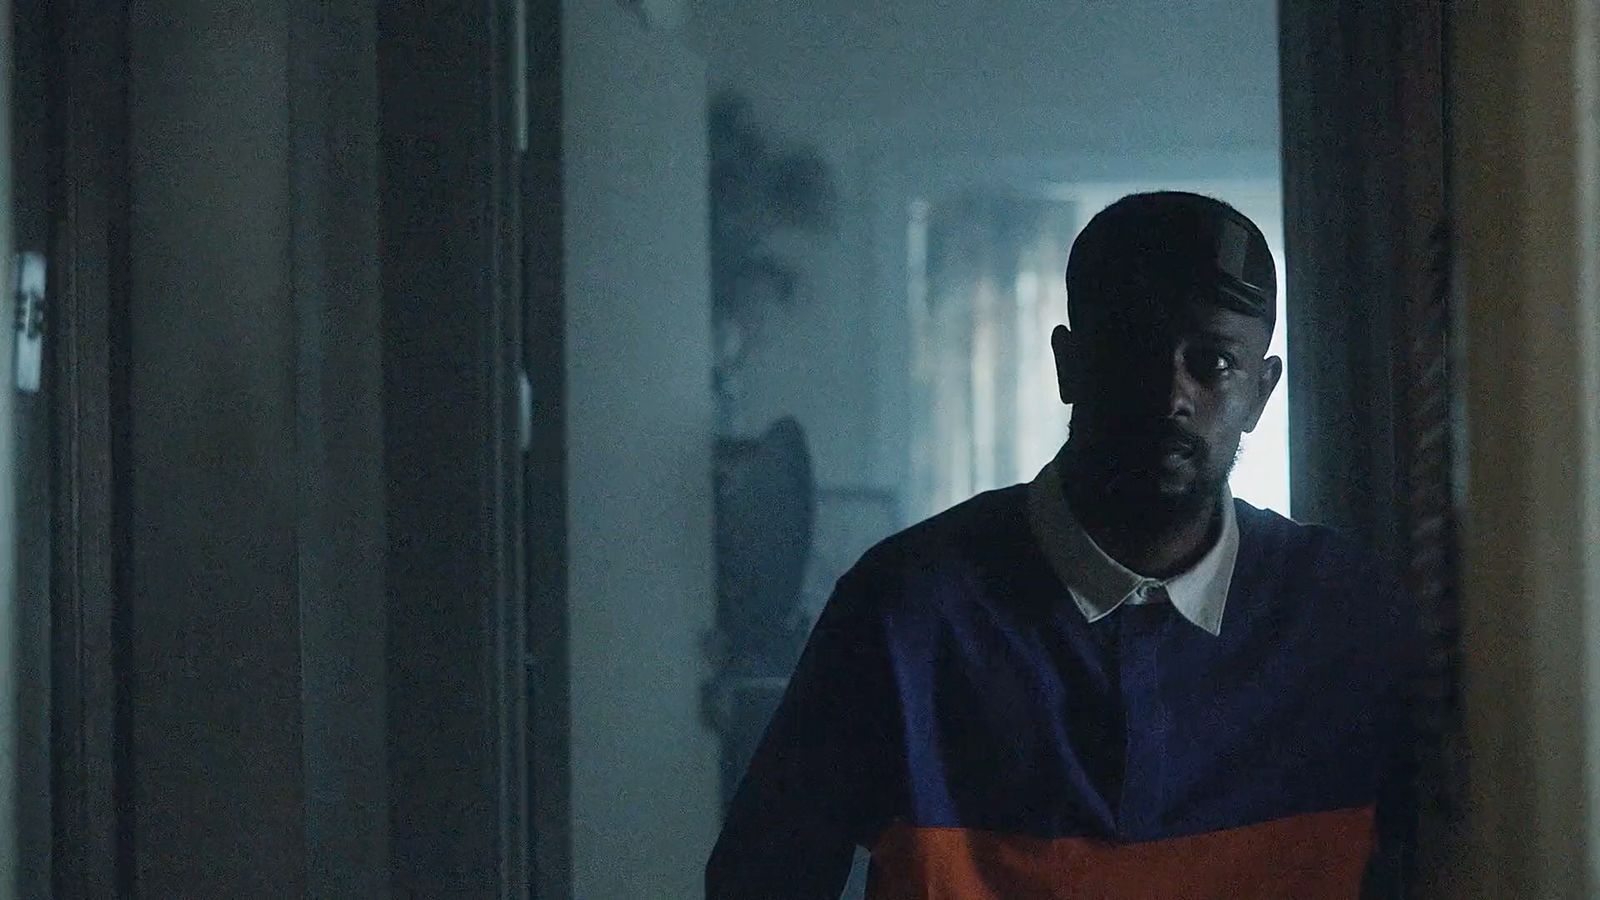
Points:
1161	395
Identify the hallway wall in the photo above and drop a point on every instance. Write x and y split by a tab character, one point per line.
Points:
639	425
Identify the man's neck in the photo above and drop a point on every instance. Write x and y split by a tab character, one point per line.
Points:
1153	546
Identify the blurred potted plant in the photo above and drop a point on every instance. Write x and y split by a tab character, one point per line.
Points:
758	192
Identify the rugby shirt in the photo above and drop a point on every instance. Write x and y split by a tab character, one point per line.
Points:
957	714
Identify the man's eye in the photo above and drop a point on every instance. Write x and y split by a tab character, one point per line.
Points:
1213	363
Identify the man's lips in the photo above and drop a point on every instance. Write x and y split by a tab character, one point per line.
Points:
1177	447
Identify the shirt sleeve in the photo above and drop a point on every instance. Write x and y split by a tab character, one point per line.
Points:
820	781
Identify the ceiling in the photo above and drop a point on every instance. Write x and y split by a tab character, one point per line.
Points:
961	76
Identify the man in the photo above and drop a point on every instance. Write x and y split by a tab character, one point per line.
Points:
1116	681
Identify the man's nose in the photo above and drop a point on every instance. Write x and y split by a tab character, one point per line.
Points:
1180	386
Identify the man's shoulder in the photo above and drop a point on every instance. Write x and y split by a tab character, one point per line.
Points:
1348	580
1308	548
990	522
973	523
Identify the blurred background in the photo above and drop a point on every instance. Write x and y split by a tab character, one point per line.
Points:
437	426
892	204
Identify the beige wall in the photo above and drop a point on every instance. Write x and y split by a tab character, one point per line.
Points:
1524	122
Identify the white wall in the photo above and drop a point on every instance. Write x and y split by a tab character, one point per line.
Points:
1008	77
644	769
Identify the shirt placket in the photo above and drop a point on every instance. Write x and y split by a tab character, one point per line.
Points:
1147	721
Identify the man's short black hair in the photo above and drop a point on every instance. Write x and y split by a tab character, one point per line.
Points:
1176	245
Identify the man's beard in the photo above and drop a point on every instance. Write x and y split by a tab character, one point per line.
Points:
1126	478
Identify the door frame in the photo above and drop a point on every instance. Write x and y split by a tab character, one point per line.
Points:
449	85
1375	438
89	286
548	670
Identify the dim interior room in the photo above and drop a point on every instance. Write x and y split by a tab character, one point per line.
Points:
542	365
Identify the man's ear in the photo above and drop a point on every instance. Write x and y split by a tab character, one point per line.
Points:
1069	364
1271	372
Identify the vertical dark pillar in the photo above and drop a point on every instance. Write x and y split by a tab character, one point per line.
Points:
549	672
450	444
288	633
333	153
217	772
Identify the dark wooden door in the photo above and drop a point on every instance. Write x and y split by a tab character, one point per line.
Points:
72	73
1373	429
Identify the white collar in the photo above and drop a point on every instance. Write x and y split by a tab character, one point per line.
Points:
1100	584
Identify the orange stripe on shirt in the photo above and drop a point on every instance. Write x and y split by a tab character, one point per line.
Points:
1313	856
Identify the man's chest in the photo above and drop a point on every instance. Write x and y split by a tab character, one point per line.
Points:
1141	729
